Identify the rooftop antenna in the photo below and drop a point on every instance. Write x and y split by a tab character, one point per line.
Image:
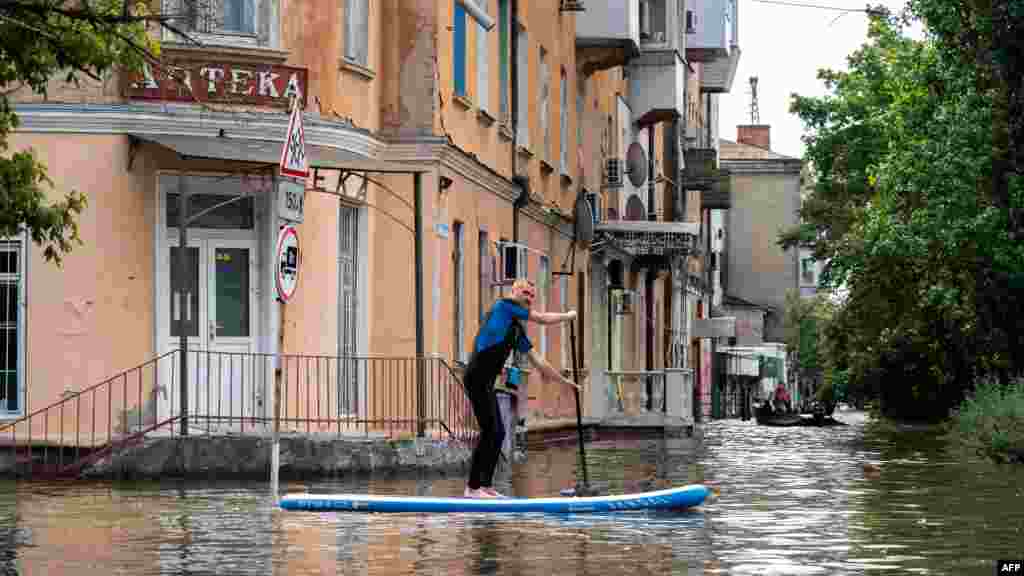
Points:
755	114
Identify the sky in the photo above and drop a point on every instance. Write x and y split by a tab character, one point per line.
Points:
785	46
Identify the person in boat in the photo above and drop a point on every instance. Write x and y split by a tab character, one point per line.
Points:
501	331
782	400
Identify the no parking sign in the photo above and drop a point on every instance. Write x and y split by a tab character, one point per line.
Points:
287	262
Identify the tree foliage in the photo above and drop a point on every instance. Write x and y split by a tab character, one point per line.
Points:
914	209
41	40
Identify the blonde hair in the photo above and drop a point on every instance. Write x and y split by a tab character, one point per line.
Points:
523	285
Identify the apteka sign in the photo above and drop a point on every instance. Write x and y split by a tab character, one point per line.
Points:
294	161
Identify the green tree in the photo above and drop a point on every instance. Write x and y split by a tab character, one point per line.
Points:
904	211
41	40
804	326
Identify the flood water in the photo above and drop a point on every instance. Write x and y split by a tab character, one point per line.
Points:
793	501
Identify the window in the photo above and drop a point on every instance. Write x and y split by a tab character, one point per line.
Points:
458	352
563	129
522	94
545	103
504	62
219	22
652	22
482	92
230	16
12	328
357	32
459	50
237	215
484	286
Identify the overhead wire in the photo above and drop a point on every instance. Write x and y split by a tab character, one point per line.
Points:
819	6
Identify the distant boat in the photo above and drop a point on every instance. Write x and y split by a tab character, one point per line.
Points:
782	419
766	417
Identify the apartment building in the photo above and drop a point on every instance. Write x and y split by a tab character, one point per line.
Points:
753	273
517	116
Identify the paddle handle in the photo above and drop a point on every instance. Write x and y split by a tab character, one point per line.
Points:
576	391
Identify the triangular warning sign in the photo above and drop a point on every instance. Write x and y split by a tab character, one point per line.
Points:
293	155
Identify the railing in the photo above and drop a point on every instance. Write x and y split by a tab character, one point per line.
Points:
635	391
668	392
231	393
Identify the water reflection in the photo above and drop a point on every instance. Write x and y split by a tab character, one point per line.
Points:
793	501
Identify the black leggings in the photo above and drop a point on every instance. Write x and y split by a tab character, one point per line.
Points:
492	432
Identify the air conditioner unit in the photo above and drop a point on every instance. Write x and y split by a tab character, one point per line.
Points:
614	168
595	206
513	262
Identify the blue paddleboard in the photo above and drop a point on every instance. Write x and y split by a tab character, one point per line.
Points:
672	499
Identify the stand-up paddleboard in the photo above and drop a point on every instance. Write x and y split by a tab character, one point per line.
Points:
672	499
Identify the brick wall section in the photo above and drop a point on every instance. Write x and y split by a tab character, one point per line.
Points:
755	135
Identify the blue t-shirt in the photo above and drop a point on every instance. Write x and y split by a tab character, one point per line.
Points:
500	333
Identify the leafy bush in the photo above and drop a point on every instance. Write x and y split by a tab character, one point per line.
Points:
990	422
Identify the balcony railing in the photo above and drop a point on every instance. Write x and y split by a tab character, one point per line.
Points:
667	392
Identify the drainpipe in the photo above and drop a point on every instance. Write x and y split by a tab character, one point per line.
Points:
522	182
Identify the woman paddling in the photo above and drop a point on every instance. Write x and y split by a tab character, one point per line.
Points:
500	332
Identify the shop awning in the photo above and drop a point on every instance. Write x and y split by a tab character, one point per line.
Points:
269	152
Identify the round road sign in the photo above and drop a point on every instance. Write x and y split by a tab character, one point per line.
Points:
287	262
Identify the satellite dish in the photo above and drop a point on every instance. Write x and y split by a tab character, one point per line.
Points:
584	220
636	164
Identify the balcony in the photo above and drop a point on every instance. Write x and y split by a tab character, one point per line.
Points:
625	224
712	38
711	30
657	87
718	74
653	397
607	35
702	173
660	26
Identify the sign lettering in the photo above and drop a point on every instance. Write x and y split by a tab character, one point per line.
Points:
221	82
291	199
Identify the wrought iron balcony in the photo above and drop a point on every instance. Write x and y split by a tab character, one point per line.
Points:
630	227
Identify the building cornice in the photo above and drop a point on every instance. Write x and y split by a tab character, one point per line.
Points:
775	166
190	120
469	167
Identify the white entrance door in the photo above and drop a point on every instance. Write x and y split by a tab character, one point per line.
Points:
219	307
231	310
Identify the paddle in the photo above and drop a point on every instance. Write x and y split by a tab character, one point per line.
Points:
583	489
